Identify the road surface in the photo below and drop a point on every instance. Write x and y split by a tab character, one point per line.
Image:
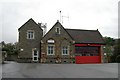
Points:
37	70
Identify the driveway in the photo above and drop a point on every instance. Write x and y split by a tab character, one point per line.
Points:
37	70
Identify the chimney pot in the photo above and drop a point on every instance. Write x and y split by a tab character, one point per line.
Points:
57	20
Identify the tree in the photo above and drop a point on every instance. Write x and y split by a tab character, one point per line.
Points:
10	49
116	54
108	48
109	41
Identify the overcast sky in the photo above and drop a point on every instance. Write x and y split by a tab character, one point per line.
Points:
83	14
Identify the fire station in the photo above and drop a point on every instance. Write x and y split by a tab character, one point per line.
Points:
59	44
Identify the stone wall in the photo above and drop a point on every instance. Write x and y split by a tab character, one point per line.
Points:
27	45
60	40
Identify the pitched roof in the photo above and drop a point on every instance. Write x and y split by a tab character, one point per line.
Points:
86	36
30	21
57	23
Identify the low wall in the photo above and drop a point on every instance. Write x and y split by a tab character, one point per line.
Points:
11	58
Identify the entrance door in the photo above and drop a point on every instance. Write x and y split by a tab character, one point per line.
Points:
35	55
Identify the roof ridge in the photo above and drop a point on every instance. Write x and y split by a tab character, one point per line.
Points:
80	29
61	26
31	19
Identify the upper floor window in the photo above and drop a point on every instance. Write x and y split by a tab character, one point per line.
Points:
57	30
30	34
65	50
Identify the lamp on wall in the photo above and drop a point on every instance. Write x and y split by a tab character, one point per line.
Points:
88	44
105	54
73	42
21	49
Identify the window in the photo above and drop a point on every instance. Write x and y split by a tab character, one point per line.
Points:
35	59
35	52
58	30
87	51
50	50
65	50
30	34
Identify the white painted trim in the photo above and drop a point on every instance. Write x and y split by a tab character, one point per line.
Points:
34	55
50	41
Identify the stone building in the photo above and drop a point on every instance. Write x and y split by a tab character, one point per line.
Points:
88	45
30	35
59	45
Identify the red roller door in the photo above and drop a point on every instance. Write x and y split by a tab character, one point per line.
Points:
87	59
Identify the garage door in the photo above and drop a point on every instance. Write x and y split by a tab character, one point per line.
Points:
87	54
87	59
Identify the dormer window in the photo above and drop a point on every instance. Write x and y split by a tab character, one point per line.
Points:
57	30
30	34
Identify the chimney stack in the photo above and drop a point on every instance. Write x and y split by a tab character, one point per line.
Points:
44	27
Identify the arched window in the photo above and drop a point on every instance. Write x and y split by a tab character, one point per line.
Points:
50	47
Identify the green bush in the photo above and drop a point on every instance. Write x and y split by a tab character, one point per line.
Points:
118	59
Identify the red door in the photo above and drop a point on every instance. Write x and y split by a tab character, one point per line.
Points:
87	59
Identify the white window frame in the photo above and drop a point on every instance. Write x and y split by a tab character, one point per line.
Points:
65	49
56	30
33	56
32	36
50	49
